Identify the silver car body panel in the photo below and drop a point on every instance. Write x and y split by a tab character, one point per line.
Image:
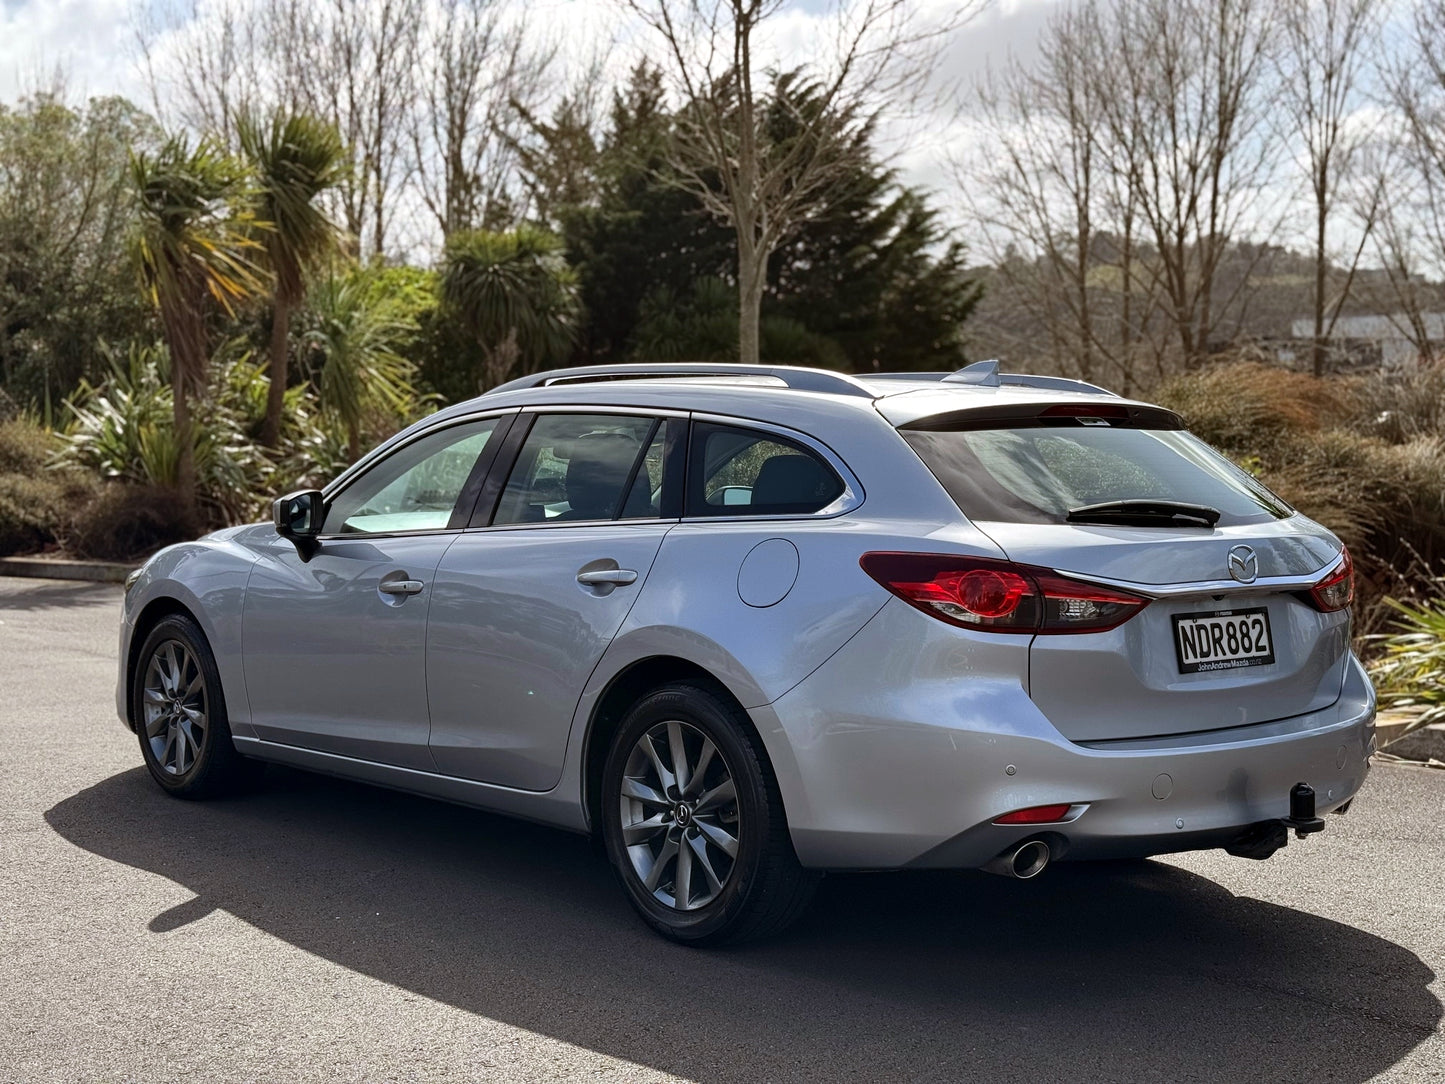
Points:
513	638
892	734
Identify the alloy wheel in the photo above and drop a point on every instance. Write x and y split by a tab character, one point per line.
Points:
173	700
679	810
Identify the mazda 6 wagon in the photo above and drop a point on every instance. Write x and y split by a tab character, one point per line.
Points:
749	624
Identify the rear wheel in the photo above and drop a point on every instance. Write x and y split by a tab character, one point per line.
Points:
180	714
694	824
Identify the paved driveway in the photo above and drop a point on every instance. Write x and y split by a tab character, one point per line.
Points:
320	930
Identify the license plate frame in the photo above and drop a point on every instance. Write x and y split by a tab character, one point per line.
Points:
1197	650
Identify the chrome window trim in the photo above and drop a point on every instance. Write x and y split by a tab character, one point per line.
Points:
849	500
554	524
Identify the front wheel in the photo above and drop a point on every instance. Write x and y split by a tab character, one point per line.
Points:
694	823
180	714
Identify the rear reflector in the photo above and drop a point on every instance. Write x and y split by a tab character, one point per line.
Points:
1337	589
1037	814
1000	596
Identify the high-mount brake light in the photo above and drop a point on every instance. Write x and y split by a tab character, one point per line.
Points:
1000	596
1086	410
1337	590
1036	814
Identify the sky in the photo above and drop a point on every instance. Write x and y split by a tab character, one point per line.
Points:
93	42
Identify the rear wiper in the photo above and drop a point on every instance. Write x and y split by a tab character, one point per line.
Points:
1146	514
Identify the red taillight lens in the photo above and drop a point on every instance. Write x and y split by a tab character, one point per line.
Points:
1000	596
1038	814
1337	589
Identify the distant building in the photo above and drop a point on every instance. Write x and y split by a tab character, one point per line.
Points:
1361	342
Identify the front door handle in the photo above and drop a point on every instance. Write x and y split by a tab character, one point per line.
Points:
400	587
617	577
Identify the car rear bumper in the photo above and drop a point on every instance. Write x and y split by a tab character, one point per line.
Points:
903	748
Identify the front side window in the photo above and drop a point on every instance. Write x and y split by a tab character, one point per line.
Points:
413	489
586	467
741	472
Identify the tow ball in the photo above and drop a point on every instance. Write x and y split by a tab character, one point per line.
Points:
1263	839
1302	811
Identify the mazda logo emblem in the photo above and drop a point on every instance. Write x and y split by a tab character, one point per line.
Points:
1243	564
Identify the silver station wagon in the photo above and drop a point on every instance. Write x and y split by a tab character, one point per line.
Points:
749	624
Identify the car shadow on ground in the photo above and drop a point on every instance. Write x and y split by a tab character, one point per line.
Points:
52	595
1117	972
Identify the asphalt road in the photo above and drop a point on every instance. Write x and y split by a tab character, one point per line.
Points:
318	930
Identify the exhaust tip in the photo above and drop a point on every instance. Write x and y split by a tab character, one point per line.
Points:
1027	860
1030	859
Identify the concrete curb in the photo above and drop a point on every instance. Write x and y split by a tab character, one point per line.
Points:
57	568
1425	743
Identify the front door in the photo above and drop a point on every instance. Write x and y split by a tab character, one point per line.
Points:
335	645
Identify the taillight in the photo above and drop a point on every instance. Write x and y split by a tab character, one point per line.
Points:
1337	589
1000	596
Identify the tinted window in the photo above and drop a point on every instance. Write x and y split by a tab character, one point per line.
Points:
413	489
736	471
1035	475
585	467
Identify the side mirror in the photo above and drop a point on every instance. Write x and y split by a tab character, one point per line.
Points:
298	517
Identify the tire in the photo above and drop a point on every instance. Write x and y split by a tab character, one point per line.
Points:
651	830
180	714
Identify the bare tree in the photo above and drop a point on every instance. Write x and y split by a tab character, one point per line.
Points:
727	153
484	77
1053	183
1324	47
1186	102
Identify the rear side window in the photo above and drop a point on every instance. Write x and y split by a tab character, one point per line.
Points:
734	471
1037	474
586	467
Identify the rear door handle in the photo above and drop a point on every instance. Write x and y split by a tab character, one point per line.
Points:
400	587
618	577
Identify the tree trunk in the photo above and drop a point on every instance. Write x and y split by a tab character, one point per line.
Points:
750	305
276	396
181	424
1320	255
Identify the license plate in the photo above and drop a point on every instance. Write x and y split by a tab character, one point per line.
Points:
1223	640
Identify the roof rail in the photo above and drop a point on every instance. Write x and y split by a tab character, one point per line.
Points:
792	376
986	374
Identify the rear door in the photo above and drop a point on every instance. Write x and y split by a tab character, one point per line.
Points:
524	605
1231	637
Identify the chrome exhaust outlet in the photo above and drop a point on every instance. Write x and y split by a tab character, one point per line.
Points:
1027	860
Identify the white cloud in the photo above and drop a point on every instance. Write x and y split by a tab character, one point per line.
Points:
88	41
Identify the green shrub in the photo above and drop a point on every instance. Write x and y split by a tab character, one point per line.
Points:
125	522
1410	672
25	447
37	500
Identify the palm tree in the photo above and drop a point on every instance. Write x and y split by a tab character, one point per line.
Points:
516	295
295	159
362	378
194	249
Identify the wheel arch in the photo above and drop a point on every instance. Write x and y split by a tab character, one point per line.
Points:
150	615
626	687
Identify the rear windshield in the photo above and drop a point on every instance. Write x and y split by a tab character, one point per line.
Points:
1036	475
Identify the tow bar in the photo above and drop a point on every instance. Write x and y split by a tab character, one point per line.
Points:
1260	841
1302	811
